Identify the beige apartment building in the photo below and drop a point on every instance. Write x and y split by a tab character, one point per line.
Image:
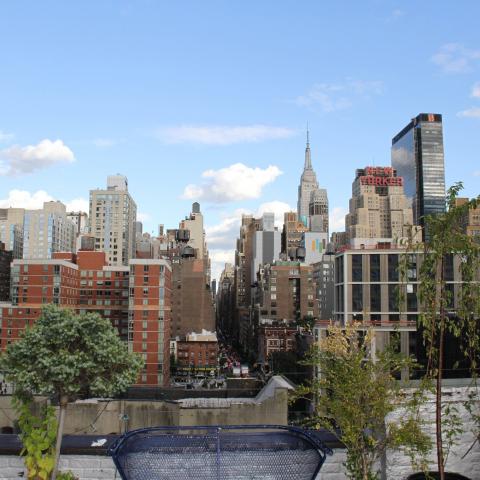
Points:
113	214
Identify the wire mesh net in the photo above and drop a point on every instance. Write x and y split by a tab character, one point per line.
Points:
240	453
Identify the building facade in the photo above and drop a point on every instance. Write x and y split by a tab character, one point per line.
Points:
113	214
149	316
308	184
379	209
418	157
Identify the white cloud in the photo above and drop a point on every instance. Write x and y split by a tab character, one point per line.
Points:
473	112
476	90
222	134
17	160
233	183
455	58
78	205
34	201
5	137
337	219
143	217
331	97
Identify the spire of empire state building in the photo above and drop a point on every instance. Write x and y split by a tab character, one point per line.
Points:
308	183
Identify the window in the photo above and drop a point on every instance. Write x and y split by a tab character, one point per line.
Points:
375	268
375	298
357	297
393	298
393	268
357	268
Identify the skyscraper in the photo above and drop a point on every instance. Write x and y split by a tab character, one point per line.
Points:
379	209
308	183
418	157
113	214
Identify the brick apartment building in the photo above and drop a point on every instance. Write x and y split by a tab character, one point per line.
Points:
85	283
149	317
199	351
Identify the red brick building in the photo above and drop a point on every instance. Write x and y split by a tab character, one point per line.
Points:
198	352
85	283
150	316
275	338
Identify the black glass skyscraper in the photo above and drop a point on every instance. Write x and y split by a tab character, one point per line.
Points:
417	155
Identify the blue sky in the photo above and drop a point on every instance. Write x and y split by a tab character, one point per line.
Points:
166	91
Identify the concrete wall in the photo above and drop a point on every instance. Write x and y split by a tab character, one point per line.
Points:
270	406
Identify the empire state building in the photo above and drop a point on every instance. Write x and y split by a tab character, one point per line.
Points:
308	184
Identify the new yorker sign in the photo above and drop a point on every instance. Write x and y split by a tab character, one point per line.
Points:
380	176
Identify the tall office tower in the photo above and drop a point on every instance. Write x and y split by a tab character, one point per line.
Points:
266	244
379	208
11	230
417	155
113	214
318	211
47	231
308	183
194	224
243	262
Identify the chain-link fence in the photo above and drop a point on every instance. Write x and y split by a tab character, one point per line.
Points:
229	452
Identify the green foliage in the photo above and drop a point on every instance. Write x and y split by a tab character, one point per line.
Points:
66	476
38	436
438	319
355	392
70	355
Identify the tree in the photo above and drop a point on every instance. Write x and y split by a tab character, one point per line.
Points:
70	356
354	392
440	319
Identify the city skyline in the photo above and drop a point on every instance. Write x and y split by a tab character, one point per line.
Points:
224	123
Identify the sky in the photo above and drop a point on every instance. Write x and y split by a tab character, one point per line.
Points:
209	100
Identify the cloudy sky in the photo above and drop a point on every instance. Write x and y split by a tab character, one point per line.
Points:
208	101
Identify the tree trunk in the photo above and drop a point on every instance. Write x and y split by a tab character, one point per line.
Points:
438	399
61	421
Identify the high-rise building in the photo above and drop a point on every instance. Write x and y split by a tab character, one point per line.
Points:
308	183
286	292
379	209
266	244
11	230
194	224
418	157
47	231
149	316
292	235
318	211
113	214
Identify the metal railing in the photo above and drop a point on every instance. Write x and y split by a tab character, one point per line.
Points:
253	452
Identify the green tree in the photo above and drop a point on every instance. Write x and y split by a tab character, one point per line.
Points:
355	391
70	356
445	316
